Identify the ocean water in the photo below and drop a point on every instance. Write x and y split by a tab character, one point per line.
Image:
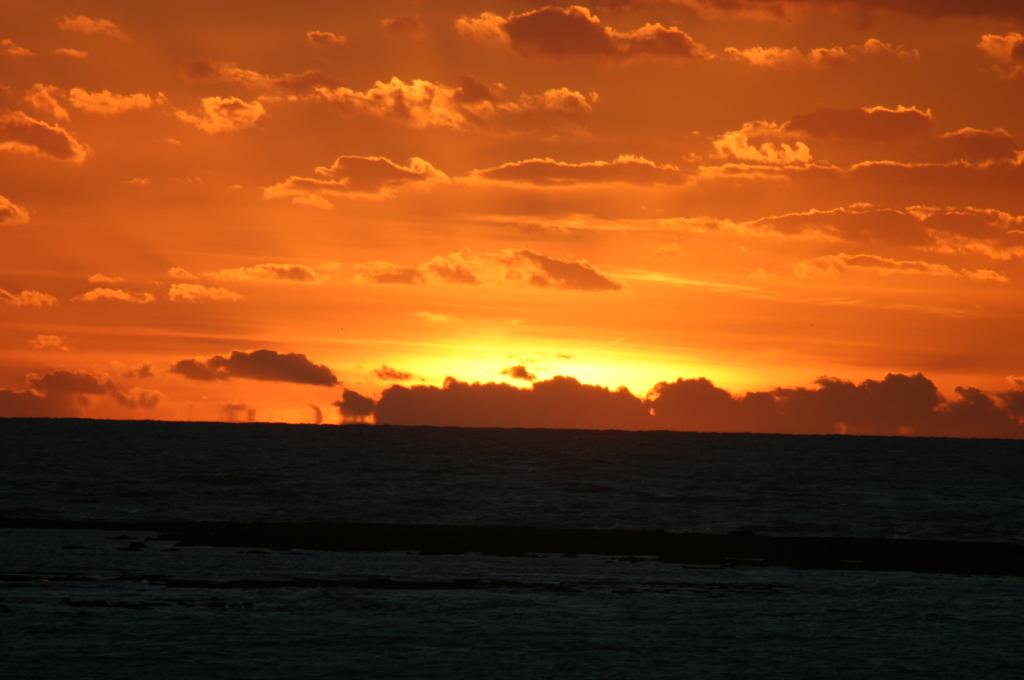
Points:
81	597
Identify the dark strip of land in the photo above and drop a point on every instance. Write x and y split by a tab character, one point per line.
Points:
798	552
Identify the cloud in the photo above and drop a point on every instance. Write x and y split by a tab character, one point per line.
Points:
106	103
519	372
386	372
550	172
90	26
268	272
387	272
21	133
576	32
238	413
899	404
879	123
976	145
818	57
409	28
354	407
326	39
218	115
793	9
49	343
13	49
27	298
510	265
1006	51
45	98
426	104
363	175
995	234
196	292
762	142
63	393
115	295
261	364
11	213
544	271
211	72
71	53
560	402
140	372
103	278
832	266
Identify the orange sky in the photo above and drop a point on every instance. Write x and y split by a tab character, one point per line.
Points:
759	192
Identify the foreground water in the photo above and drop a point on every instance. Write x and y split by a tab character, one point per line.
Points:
101	602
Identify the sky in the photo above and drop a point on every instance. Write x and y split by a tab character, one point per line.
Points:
771	215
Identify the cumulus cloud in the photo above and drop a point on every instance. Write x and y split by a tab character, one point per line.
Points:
880	123
270	271
818	57
576	32
63	393
211	72
793	9
139	372
505	266
386	372
197	292
91	26
11	213
560	402
541	270
1006	50
996	234
218	115
27	298
425	104
45	98
762	142
354	407
53	343
977	145
71	53
832	266
387	272
519	372
261	364
21	133
267	272
115	295
325	39
107	103
899	404
104	279
13	49
360	175
548	171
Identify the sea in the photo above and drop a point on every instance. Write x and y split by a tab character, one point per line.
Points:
205	550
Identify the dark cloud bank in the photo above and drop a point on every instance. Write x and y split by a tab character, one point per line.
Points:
63	394
896	405
261	364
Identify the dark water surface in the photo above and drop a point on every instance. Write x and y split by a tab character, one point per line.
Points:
81	602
